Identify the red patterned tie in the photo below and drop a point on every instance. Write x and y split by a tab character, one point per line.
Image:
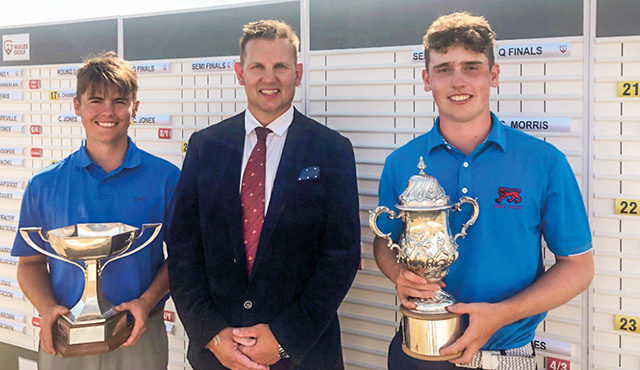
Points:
252	196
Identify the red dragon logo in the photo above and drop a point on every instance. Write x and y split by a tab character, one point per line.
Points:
512	194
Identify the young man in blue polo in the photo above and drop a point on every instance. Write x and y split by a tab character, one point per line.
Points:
499	278
107	180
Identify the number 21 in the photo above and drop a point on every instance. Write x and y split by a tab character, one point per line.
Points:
627	86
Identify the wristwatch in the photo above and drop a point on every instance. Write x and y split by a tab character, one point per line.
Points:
282	353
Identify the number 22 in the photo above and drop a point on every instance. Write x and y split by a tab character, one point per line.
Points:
632	207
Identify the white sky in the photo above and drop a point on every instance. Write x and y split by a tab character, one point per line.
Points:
25	12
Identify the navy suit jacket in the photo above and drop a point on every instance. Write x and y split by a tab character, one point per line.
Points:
308	253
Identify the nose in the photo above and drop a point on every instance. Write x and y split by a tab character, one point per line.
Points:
108	109
269	75
457	78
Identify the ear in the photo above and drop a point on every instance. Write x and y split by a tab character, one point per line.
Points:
425	78
495	76
239	72
136	105
298	74
76	106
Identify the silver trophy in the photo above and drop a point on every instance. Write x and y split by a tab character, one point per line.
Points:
92	325
427	248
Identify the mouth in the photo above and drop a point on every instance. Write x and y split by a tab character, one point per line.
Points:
459	98
269	92
106	124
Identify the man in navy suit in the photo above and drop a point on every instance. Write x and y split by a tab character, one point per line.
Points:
264	247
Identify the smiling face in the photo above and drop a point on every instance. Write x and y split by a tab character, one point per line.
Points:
106	115
269	74
460	81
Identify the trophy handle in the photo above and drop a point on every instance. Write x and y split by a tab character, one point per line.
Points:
373	215
472	219
151	238
24	231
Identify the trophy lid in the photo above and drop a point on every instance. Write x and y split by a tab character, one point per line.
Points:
423	193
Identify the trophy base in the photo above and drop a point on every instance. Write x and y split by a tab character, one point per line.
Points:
425	333
99	336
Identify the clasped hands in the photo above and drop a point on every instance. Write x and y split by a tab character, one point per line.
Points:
253	347
484	318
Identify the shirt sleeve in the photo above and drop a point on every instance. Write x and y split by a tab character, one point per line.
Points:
565	225
388	197
29	217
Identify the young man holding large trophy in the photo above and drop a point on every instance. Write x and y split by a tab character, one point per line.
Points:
88	207
524	189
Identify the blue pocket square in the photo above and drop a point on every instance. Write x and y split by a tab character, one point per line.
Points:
309	173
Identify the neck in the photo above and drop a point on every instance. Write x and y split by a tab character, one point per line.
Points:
466	136
266	119
109	157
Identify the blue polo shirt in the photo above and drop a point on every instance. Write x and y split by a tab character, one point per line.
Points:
525	189
76	190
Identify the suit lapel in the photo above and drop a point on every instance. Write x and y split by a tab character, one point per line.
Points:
230	194
291	162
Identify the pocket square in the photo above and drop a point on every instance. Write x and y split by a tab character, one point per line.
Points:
309	173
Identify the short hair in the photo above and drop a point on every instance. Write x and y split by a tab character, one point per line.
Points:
461	28
104	71
268	29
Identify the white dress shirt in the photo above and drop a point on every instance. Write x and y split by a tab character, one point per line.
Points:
275	143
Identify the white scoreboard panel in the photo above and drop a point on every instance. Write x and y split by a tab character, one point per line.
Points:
615	303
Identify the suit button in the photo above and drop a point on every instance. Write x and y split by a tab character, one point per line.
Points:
248	305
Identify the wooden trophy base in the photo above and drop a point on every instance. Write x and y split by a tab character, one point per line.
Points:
425	333
74	340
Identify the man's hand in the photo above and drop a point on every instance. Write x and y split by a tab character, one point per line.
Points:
48	320
410	285
139	309
484	320
265	348
226	351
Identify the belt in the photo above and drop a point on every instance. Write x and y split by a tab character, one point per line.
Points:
523	358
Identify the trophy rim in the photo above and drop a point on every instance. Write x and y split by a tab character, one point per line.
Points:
67	243
423	208
52	232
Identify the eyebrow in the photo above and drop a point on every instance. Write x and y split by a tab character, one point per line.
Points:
447	64
102	97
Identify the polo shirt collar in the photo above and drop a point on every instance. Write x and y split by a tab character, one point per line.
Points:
497	135
278	126
132	159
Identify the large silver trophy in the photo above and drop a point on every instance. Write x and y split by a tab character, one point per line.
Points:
427	248
92	325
